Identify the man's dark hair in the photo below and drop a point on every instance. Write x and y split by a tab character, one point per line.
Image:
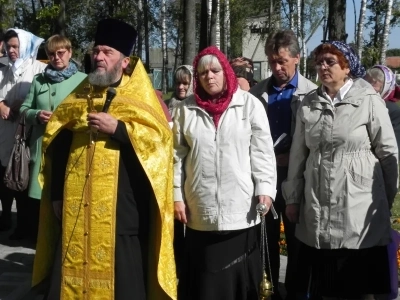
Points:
1	35
282	39
9	35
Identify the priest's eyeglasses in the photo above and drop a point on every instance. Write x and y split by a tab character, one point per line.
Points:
59	54
326	63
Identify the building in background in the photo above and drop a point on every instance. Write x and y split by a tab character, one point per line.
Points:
156	66
254	37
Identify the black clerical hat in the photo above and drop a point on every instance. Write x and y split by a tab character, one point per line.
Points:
116	34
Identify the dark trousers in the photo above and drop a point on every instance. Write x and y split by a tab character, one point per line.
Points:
7	197
273	235
27	208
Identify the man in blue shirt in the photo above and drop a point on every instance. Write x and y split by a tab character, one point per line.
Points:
281	95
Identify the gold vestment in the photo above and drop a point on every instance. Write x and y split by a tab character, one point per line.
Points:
90	191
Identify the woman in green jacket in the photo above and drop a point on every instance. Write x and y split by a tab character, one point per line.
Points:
48	90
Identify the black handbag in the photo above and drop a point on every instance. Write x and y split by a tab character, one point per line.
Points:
16	176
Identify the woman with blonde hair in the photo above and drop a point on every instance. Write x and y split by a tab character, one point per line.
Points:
48	90
183	83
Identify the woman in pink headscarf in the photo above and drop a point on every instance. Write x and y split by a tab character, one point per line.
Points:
224	165
383	81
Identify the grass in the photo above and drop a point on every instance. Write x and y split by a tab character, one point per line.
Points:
167	96
396	213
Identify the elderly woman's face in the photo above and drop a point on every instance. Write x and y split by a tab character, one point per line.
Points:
376	84
212	80
329	70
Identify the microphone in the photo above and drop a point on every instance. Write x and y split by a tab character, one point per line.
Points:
111	93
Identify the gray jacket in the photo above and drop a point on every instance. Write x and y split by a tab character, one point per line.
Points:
304	87
343	170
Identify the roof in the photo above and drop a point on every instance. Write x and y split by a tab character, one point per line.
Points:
393	62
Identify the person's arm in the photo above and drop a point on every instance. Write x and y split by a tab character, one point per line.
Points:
262	156
293	186
394	113
30	105
181	150
121	134
384	145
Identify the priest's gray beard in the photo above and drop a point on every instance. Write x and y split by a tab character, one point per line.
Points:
107	78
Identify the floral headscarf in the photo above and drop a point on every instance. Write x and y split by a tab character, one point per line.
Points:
203	99
356	69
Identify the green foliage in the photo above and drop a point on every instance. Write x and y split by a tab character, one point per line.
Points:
393	52
47	18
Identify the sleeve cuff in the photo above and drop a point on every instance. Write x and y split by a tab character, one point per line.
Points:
293	191
178	194
121	134
265	189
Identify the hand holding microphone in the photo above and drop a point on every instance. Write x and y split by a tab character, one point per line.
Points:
102	121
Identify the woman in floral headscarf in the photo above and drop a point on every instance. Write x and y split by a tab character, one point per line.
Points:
224	164
383	81
342	181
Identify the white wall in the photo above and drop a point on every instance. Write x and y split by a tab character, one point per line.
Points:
253	43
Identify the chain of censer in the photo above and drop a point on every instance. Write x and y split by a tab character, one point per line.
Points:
264	247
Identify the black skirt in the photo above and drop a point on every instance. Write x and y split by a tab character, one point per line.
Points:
343	273
220	265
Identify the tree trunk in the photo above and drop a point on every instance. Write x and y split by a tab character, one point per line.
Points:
139	29
164	46
60	26
33	8
299	30
361	27
218	26
146	34
337	20
189	44
385	36
303	37
7	14
355	21
227	28
213	25
204	32
291	15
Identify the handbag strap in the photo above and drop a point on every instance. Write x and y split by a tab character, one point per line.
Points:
20	133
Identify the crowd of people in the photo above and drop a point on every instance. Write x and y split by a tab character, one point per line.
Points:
131	197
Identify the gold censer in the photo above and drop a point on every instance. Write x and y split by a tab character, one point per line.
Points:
266	287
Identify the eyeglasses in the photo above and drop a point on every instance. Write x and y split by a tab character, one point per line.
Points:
327	63
60	54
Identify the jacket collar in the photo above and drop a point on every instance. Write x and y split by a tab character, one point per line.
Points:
354	96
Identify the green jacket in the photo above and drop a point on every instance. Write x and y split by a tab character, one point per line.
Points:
43	95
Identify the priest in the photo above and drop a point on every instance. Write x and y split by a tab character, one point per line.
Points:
107	177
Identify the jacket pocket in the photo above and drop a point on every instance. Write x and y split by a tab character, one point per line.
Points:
359	179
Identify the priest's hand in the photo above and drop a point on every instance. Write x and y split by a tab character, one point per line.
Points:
292	212
180	211
103	122
58	208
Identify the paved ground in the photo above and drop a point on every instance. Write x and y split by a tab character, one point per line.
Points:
16	261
